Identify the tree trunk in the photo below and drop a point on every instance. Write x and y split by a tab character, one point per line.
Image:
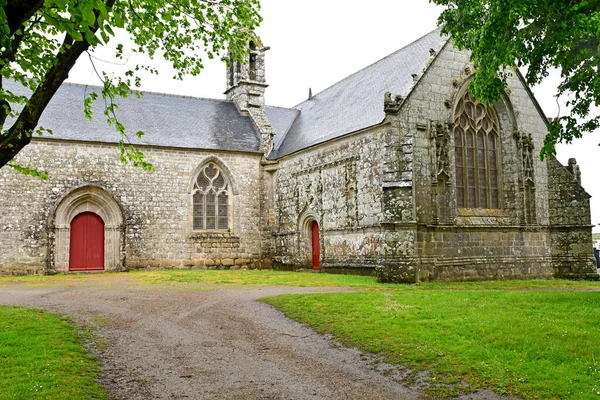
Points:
19	134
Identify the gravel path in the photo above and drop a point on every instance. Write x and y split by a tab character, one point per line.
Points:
172	342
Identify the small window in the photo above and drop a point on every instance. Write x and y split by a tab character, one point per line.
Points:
252	67
211	200
252	61
477	154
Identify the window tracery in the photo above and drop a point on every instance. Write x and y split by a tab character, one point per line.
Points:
211	199
477	154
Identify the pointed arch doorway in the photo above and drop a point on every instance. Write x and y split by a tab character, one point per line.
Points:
309	240
315	246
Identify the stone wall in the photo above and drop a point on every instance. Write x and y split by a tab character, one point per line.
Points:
512	242
569	202
338	185
570	231
483	253
157	207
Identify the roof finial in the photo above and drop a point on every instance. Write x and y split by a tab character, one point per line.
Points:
309	93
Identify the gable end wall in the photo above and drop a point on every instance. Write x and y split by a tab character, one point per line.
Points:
479	244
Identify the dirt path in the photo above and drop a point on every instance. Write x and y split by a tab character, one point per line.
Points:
170	342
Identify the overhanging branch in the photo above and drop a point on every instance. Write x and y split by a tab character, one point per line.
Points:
19	134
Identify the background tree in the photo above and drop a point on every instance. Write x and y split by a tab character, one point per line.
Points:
40	41
539	35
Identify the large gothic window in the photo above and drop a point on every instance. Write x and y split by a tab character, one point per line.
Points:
477	154
211	199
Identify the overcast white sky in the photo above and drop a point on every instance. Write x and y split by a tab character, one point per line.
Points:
315	43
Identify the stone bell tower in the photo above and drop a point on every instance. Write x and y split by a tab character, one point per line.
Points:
246	86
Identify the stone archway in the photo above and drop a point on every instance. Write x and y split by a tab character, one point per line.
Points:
95	200
309	229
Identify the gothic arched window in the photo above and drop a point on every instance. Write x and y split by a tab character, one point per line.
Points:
211	199
477	154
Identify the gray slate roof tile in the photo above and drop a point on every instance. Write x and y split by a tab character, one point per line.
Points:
167	120
356	102
282	120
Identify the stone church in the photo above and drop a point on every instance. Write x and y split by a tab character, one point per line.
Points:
396	170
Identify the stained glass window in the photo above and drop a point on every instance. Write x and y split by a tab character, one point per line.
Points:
211	199
477	153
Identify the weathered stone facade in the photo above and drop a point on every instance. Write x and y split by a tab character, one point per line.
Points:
155	227
338	186
385	198
414	193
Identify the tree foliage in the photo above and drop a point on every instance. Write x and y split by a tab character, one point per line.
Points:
539	35
40	41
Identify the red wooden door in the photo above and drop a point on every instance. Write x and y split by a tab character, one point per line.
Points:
87	243
316	246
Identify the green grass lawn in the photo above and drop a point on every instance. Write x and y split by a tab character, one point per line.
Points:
41	357
239	278
518	338
256	278
206	278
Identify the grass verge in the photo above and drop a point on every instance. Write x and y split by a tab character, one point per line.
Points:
207	278
531	344
256	278
212	279
41	357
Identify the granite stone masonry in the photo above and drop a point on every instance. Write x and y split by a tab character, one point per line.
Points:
395	171
156	209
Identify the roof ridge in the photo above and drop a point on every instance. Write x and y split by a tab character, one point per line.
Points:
281	107
369	66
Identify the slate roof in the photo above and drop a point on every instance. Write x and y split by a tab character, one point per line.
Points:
352	104
282	120
356	102
167	120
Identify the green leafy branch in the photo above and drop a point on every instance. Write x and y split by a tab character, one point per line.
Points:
540	35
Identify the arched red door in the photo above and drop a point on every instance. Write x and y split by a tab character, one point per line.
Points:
87	243
316	246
